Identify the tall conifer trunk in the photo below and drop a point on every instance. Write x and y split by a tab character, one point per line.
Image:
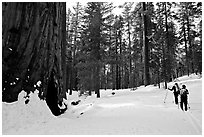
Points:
186	49
146	49
167	61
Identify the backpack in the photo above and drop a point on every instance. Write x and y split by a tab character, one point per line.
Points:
184	92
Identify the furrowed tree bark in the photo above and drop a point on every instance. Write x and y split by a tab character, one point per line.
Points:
64	44
33	42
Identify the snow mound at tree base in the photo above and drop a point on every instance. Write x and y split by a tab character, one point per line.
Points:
18	114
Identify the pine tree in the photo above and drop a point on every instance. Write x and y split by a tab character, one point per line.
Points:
189	13
94	39
146	48
128	28
138	44
75	34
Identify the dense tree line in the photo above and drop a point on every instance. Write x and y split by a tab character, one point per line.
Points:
148	43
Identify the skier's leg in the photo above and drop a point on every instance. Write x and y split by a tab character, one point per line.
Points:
176	98
181	105
181	102
186	103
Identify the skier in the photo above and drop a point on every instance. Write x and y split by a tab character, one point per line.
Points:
184	97
175	89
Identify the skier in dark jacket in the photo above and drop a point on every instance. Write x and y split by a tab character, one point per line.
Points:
175	89
184	97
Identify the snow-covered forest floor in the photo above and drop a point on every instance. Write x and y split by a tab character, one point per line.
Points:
127	112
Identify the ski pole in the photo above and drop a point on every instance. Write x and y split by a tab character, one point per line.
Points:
179	100
165	96
189	106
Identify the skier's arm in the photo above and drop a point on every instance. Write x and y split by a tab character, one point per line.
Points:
171	88
187	91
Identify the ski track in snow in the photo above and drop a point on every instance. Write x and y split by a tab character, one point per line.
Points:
194	121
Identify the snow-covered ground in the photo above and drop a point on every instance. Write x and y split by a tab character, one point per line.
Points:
128	112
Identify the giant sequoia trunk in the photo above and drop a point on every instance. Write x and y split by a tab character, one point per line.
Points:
33	47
